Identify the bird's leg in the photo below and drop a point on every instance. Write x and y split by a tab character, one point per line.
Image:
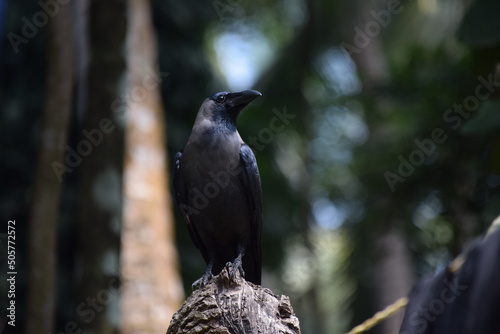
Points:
207	276
238	264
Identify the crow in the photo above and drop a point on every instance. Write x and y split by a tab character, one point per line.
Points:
218	191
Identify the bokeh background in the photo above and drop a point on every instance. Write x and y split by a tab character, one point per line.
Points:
377	138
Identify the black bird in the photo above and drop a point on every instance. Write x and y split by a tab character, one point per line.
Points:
218	191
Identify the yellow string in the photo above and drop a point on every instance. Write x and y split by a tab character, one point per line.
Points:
379	316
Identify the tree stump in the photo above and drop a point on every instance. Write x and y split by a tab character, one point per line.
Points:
234	306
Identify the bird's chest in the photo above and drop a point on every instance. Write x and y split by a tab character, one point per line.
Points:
213	173
209	157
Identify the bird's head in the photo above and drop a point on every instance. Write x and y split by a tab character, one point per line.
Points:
225	106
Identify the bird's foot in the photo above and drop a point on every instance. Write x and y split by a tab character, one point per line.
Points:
236	265
202	281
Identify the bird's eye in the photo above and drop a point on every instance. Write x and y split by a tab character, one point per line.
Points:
221	98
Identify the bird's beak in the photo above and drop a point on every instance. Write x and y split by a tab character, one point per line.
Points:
238	101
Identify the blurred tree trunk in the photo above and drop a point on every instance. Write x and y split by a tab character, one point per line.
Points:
40	313
101	158
393	275
305	47
153	290
392	268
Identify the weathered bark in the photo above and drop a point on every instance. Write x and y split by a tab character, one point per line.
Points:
153	289
232	305
41	279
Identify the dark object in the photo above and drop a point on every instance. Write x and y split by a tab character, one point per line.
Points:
232	305
461	301
217	188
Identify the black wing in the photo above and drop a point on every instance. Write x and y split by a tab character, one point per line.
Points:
181	191
251	181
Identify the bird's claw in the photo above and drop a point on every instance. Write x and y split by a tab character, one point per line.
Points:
202	281
235	266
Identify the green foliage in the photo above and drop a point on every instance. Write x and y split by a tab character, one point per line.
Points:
326	200
485	122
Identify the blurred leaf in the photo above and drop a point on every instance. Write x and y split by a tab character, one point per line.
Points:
480	26
486	121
